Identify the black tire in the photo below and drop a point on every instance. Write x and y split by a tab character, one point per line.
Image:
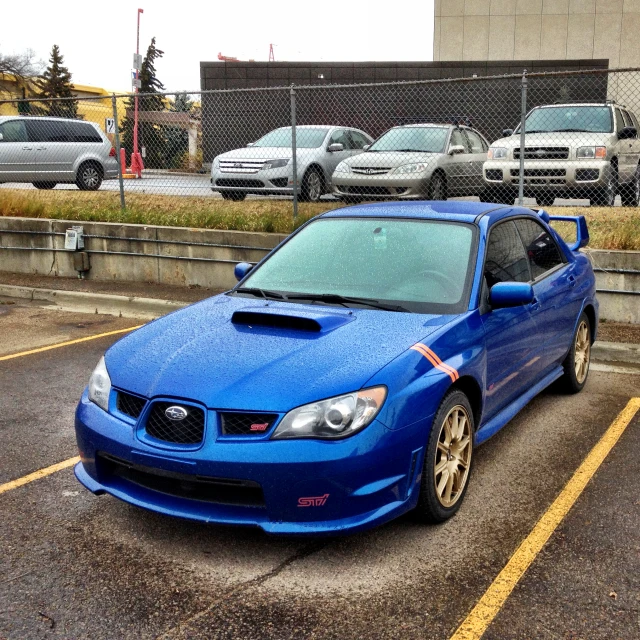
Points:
312	186
545	199
236	196
498	195
89	177
44	185
437	187
606	196
350	199
573	381
430	507
630	192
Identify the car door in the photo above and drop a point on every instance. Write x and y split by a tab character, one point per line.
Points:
458	166
554	287
17	153
333	158
478	154
511	334
55	151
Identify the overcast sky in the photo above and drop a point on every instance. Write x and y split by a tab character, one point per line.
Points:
98	40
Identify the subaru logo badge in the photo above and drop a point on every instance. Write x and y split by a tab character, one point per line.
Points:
175	413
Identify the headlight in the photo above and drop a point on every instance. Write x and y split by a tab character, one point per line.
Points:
496	153
591	152
418	167
343	167
215	164
276	164
100	385
333	418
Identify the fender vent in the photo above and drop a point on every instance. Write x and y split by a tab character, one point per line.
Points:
259	319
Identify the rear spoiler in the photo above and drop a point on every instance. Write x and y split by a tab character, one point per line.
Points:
582	232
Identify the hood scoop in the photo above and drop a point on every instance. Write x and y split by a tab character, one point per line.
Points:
302	320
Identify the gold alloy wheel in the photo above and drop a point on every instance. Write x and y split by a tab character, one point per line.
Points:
453	456
582	352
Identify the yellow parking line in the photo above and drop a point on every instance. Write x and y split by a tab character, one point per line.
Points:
69	342
36	475
481	616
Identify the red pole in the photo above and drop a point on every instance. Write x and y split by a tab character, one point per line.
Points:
136	160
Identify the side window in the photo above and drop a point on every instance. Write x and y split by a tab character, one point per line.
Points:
475	141
634	120
47	131
619	121
542	249
13	131
359	140
340	137
83	132
626	118
506	260
457	139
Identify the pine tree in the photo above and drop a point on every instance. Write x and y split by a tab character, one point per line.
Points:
55	82
151	136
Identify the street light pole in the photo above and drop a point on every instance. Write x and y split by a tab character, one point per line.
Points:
136	163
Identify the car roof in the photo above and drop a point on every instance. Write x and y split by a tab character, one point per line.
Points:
578	104
28	117
452	210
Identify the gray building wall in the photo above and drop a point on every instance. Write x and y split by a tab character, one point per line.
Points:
537	29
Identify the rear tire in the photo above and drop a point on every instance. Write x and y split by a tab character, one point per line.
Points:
447	461
437	188
630	192
236	196
576	364
89	177
44	185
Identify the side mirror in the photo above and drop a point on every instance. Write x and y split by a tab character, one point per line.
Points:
510	294
366	146
336	146
456	149
250	144
507	132
241	270
627	133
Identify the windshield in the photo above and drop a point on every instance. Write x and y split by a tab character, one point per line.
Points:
424	266
425	139
305	138
568	118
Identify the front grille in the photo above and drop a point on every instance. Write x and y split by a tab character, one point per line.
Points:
244	493
371	171
586	175
246	424
367	191
129	404
539	173
280	182
543	153
190	430
241	166
494	174
243	184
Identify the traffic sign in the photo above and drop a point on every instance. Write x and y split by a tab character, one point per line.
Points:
110	125
137	61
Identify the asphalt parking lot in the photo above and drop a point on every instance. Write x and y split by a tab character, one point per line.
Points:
78	566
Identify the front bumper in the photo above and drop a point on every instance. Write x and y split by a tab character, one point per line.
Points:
543	175
266	182
345	185
282	486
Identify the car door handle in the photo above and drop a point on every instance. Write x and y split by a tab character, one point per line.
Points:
41	148
535	304
27	148
572	281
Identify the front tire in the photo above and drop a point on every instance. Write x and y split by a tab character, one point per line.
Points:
312	186
630	193
236	196
606	196
44	185
576	364
545	200
89	177
437	188
447	461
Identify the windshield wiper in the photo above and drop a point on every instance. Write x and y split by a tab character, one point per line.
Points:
345	300
262	293
412	151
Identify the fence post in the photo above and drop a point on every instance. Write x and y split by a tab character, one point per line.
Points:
118	154
294	151
523	117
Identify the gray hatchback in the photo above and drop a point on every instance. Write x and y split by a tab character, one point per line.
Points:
48	151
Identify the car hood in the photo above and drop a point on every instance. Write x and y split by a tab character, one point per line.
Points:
260	153
209	353
390	158
556	139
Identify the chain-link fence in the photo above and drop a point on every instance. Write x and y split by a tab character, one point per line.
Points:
547	136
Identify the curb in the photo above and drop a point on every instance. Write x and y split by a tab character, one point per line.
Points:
150	308
84	302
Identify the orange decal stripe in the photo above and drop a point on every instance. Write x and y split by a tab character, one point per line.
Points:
442	364
435	361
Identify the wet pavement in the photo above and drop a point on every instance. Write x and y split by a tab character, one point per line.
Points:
73	565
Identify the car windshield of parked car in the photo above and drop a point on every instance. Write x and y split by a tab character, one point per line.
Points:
305	138
425	139
421	265
568	118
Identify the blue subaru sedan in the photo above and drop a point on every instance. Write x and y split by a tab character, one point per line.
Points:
349	376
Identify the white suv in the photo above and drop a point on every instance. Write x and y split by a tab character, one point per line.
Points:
48	151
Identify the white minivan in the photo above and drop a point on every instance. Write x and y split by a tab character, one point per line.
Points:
49	151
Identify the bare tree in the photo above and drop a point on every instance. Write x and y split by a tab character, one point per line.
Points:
22	65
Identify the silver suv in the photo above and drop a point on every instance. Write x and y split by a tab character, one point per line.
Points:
265	167
581	150
48	151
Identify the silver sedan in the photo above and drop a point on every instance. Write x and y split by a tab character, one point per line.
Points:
265	167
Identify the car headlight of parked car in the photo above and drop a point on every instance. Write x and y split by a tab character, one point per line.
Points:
333	418
343	167
591	152
276	164
417	167
496	153
100	385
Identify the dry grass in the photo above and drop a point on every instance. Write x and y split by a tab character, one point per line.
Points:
609	228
